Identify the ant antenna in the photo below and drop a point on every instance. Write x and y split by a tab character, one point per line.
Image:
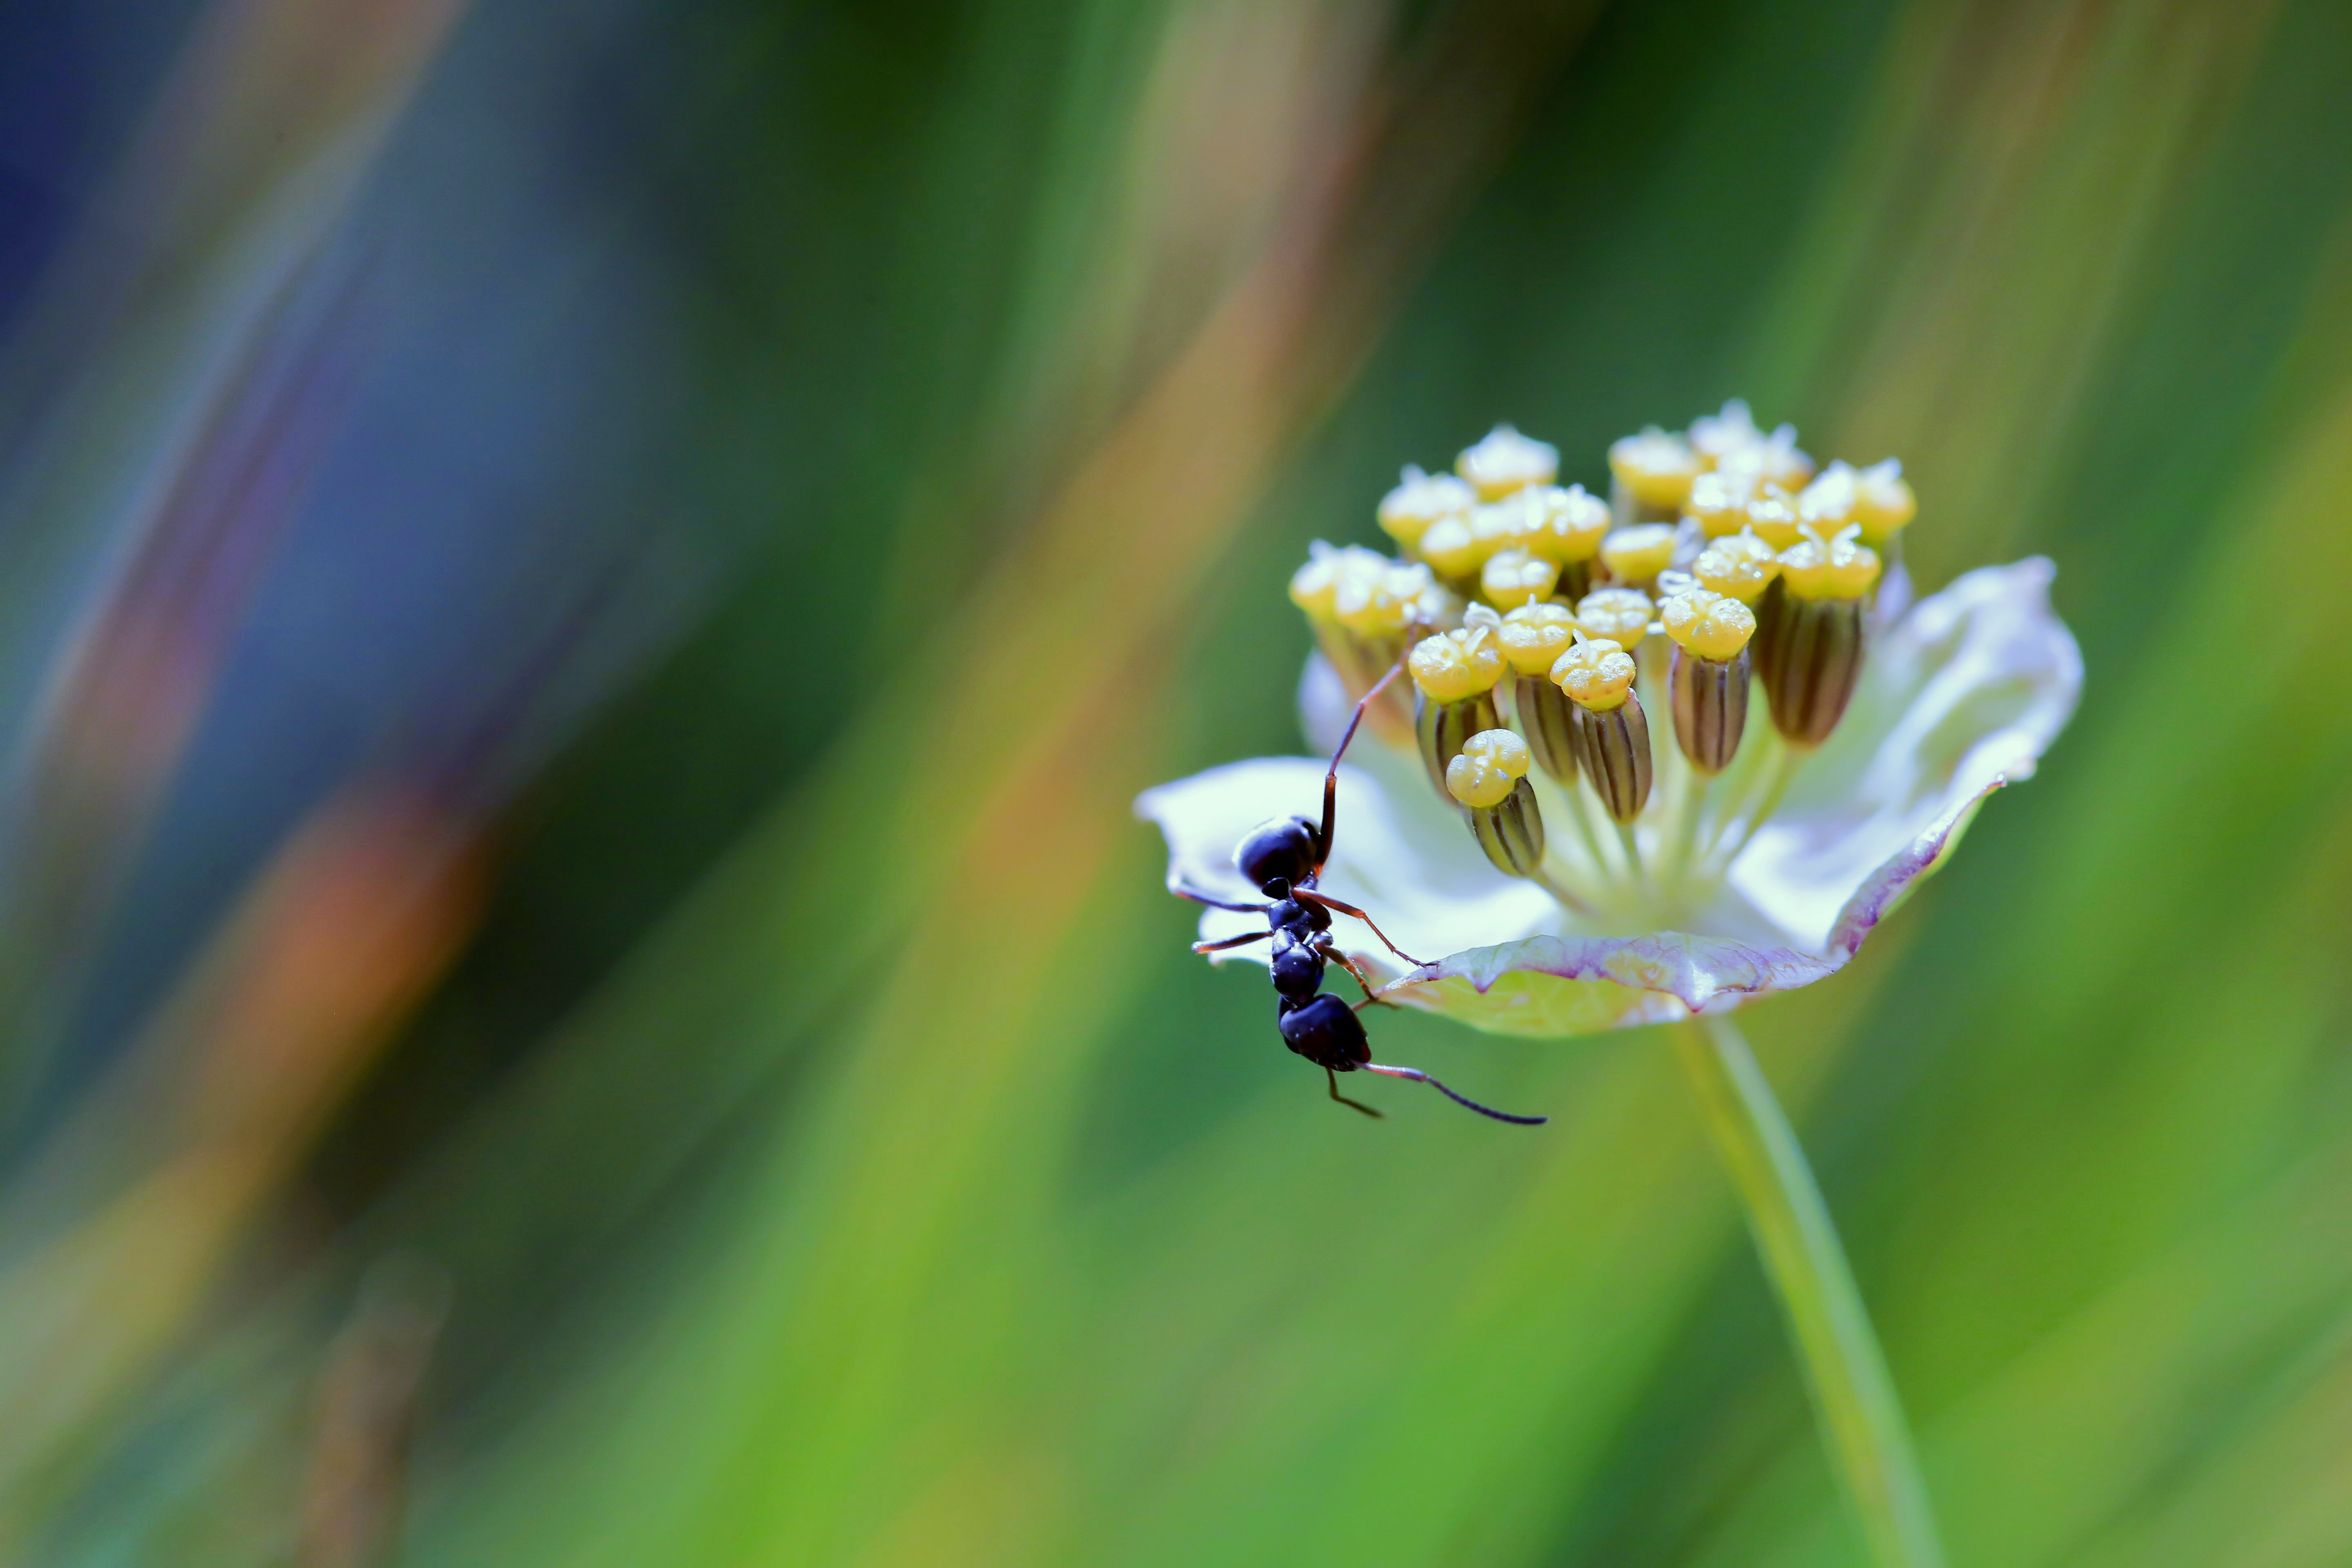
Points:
1331	774
1354	1104
1417	1075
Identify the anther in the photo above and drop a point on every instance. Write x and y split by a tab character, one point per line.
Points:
1489	779
1453	550
1490	762
1620	614
1827	504
1654	471
1729	441
1715	436
1453	676
1719	502
1513	577
1773	516
1374	604
1607	729
1533	638
1741	567
1315	587
1564	527
1838	568
1635	555
1809	638
1419	500
1361	605
1708	680
1882	502
1506	461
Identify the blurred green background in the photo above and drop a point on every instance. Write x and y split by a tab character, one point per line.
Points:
587	587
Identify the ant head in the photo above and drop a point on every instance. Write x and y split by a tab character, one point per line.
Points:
1283	851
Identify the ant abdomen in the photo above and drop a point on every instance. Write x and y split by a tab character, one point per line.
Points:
1280	851
1327	1032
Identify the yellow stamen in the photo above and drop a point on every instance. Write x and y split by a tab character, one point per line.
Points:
1575	523
1656	466
1524	521
1715	436
1490	766
1622	615
1429	602
1315	587
1596	674
1773	516
1777	462
1730	442
1882	502
1839	569
1379	604
1451	666
1420	499
1719	504
1533	637
1827	504
1712	625
1513	577
1506	461
1449	547
1741	566
1639	553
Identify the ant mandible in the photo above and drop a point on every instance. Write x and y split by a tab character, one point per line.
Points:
1283	858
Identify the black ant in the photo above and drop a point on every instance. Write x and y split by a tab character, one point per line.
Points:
1282	858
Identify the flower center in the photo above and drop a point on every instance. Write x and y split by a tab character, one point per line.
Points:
1549	636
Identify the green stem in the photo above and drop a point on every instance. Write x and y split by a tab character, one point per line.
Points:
1863	1425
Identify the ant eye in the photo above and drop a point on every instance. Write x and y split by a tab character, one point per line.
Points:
1280	851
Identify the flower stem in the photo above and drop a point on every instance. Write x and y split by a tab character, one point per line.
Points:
1862	1424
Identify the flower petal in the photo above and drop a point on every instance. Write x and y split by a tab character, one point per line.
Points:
1426	883
1575	985
1961	695
1550	985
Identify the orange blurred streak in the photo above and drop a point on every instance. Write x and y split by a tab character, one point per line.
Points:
358	914
356	1487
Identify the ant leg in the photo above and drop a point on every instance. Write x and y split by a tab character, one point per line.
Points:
1330	951
1331	775
1417	1075
1328	902
1343	1100
1243	940
1182	891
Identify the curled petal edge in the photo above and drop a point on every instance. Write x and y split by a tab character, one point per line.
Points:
1554	985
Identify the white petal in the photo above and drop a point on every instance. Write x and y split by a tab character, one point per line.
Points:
1962	696
1432	892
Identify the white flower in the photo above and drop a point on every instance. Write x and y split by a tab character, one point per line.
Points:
1703	902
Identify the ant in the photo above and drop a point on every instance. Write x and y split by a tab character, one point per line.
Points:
1283	858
